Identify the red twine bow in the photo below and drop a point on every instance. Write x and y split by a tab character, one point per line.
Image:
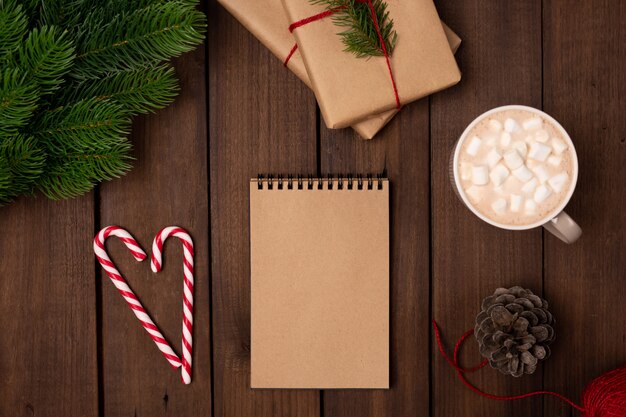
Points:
330	12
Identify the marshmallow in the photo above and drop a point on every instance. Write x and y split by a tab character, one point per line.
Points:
495	125
529	139
520	147
493	157
542	136
474	145
516	202
530	186
480	175
530	206
558	145
466	171
554	160
522	173
490	139
499	206
511	126
499	174
558	181
475	194
512	159
505	139
533	123
539	151
541	173
500	191
541	193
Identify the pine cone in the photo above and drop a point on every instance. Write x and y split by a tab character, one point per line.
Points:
514	330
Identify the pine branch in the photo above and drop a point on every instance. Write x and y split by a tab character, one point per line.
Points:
51	12
76	173
46	57
89	125
12	27
361	37
24	162
6	193
158	32
137	91
106	54
86	143
116	7
18	101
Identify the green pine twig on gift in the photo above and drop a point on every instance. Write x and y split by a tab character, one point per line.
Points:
360	36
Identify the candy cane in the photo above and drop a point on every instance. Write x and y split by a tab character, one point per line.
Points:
135	304
156	264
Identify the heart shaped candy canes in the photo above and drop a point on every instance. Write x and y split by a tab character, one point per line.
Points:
133	301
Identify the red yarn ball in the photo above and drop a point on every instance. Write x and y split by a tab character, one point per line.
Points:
605	396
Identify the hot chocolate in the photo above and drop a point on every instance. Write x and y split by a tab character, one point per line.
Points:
515	167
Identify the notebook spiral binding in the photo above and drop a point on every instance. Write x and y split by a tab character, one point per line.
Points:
279	182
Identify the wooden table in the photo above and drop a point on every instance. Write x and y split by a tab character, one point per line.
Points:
71	347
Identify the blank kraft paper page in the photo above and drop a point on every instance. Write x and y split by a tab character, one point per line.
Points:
319	284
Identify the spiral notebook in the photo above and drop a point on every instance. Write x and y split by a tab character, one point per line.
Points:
319	282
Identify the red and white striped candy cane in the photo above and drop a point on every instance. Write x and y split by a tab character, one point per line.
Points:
129	295
156	264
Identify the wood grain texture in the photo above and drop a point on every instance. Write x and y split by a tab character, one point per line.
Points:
168	186
48	360
585	89
72	347
262	120
500	59
401	152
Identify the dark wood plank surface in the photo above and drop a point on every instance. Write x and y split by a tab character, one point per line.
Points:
501	63
72	347
48	347
404	158
585	89
262	121
168	186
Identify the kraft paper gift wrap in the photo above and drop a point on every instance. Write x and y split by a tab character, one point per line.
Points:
348	88
268	22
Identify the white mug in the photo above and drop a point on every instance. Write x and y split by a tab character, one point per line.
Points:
557	221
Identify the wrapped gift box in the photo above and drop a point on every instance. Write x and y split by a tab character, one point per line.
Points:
349	89
268	22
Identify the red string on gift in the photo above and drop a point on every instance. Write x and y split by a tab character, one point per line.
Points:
605	396
330	12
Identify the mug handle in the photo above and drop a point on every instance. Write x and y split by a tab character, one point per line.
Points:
564	227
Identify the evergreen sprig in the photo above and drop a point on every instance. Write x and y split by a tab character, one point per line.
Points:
360	36
140	90
13	26
72	74
146	36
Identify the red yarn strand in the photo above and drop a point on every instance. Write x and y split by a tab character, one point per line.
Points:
460	371
293	50
384	47
314	18
306	21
